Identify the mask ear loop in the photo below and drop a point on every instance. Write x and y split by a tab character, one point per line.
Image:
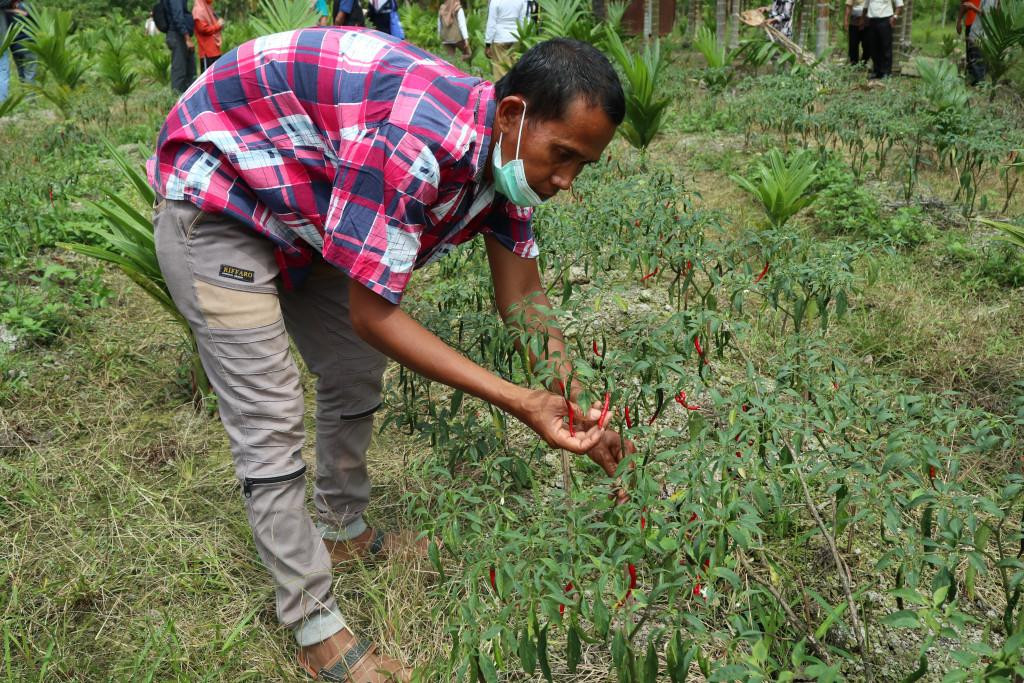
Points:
519	137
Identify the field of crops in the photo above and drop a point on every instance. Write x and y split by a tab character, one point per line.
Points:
793	286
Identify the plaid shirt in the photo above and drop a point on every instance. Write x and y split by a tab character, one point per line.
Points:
345	142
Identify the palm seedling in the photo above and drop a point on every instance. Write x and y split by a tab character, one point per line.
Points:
115	65
51	44
719	73
128	243
156	58
782	186
645	111
420	25
943	87
275	16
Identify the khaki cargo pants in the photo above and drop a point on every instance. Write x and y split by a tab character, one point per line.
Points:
223	278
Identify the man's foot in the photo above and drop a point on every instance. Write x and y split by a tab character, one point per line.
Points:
374	544
347	659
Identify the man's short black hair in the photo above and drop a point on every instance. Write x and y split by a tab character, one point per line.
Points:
550	75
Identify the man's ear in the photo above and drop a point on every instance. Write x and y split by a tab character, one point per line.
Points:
508	113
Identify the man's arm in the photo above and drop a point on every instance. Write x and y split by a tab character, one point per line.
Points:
518	293
518	289
392	331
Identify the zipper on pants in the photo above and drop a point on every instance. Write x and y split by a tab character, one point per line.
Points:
249	482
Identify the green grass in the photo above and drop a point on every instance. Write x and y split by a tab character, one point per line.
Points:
127	553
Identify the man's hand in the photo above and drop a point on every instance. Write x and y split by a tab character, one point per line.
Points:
545	413
893	19
188	42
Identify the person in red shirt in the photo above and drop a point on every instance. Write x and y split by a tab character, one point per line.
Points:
208	30
968	16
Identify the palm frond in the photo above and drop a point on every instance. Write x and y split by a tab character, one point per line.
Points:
276	16
1012	233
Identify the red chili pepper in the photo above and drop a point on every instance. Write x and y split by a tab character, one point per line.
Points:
762	273
693	517
744	407
594	345
629	422
649	275
681	400
637	222
643	520
568	406
494	584
696	345
696	589
51	195
931	472
631	568
604	410
835	386
660	404
561	608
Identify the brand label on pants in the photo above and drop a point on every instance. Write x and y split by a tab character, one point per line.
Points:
236	273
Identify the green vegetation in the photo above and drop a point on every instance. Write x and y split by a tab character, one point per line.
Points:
806	293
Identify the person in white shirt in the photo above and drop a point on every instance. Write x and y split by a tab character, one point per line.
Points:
882	16
451	28
503	17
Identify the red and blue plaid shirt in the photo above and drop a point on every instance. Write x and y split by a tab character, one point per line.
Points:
345	142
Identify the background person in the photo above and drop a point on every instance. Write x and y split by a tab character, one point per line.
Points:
855	21
882	16
968	16
780	15
323	13
348	13
178	38
452	29
208	27
260	239
502	32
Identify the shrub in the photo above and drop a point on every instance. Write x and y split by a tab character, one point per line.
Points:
844	206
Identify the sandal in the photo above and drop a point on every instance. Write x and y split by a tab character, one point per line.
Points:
359	664
381	546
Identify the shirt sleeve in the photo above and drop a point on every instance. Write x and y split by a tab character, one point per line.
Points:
463	29
512	226
377	214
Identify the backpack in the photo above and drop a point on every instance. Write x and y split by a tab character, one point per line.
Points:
160	17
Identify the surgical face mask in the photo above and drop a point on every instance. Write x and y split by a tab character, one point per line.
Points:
510	178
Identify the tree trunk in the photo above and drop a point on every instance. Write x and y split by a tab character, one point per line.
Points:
821	44
908	23
721	17
736	6
805	10
696	12
600	9
648	19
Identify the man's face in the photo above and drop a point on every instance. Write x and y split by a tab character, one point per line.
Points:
555	151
